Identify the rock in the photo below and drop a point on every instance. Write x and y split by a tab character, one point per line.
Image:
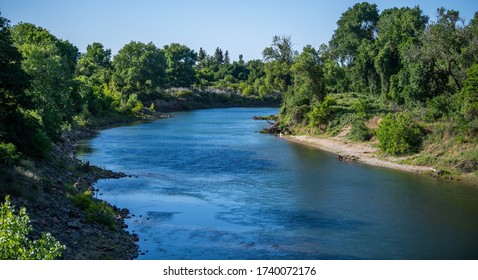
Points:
75	224
347	158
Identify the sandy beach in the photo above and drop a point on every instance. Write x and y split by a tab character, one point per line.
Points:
360	152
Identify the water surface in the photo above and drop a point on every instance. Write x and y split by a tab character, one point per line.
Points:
206	185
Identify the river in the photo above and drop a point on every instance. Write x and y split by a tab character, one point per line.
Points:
206	185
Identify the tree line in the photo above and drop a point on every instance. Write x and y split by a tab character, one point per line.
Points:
398	56
397	62
47	86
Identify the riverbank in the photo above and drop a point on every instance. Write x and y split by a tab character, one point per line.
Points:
367	153
46	187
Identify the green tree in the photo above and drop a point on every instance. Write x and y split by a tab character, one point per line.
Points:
307	77
364	75
227	60
94	72
180	65
241	59
14	241
438	62
469	95
13	99
279	58
218	56
356	24
321	113
140	69
335	77
94	61
398	29
49	62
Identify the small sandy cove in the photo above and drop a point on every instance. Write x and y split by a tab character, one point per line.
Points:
360	152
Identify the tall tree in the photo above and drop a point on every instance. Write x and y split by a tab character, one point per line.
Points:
356	24
50	64
94	72
279	58
227	60
218	56
241	59
308	85
95	58
140	69
437	63
180	61
398	29
308	75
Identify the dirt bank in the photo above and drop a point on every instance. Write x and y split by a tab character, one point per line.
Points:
360	152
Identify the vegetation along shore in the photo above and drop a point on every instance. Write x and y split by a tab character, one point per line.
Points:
393	88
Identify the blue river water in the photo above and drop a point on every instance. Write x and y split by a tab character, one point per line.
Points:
206	185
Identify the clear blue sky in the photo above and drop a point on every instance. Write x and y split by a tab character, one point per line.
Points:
245	26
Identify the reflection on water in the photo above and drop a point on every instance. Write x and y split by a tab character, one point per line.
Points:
209	186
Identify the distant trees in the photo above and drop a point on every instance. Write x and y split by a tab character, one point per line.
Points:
396	55
140	69
180	65
93	75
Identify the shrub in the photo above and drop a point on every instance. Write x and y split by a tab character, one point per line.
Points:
359	132
437	107
322	112
96	211
82	200
14	242
102	213
132	106
8	153
361	107
399	135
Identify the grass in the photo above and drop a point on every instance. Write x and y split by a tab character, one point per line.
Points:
95	210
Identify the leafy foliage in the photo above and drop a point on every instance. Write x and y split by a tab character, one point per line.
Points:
399	135
180	62
356	25
14	241
469	94
359	132
322	112
140	69
50	64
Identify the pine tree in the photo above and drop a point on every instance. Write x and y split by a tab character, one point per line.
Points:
218	56
227	60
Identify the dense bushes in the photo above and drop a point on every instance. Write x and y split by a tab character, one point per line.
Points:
322	112
399	135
